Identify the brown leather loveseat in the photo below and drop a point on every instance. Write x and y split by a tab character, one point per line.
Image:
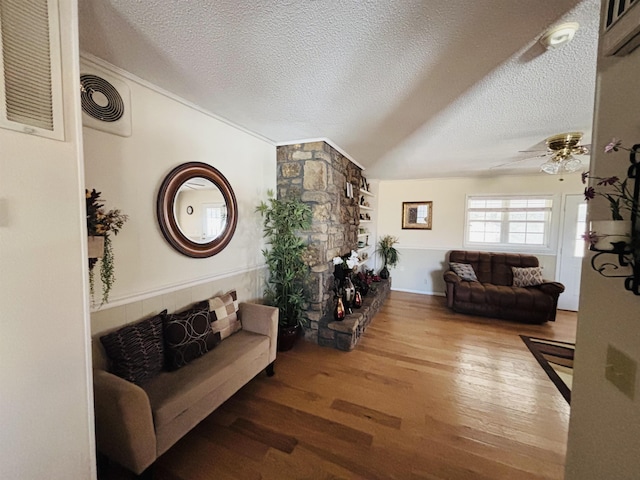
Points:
494	293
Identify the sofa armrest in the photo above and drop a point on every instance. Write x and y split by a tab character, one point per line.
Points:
451	277
124	423
451	280
261	319
552	288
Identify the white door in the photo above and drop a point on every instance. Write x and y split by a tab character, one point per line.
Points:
572	247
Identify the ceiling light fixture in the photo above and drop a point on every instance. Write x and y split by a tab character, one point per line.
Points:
559	35
563	146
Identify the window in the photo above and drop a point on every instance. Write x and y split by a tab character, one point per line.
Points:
513	221
214	219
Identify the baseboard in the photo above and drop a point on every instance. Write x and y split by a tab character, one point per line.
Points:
421	292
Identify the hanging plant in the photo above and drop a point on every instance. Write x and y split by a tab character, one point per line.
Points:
102	223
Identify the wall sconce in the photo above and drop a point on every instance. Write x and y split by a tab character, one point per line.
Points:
628	254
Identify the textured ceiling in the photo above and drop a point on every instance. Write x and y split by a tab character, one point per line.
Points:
408	88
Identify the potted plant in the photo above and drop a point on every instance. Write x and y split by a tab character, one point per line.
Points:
605	234
388	253
283	219
100	224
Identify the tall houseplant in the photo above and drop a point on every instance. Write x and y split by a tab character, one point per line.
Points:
389	253
283	219
101	223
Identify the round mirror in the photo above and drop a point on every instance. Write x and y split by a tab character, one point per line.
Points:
197	210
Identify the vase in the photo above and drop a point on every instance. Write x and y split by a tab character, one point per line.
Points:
349	292
357	300
339	312
384	273
339	275
95	246
609	232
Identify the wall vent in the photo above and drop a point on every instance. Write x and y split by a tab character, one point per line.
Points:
31	82
621	33
106	102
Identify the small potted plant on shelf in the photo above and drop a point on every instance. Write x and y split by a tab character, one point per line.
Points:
283	219
389	254
100	224
605	234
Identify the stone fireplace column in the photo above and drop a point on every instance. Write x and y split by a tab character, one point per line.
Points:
319	174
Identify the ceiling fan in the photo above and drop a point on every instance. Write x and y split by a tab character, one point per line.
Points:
561	149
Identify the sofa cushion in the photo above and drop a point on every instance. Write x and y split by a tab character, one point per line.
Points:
188	335
223	313
136	351
172	393
527	277
464	271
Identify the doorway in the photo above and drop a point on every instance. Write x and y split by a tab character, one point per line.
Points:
571	251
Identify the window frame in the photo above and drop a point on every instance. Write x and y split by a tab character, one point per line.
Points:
551	224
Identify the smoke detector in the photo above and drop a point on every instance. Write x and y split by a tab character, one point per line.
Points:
559	35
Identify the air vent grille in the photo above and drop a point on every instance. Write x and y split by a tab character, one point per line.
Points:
615	10
100	99
27	62
621	27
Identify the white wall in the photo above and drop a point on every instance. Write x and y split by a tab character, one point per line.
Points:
129	170
423	252
604	430
46	404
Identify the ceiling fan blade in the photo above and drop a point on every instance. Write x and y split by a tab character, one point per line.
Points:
512	162
542	155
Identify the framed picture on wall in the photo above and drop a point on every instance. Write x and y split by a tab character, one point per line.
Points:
417	215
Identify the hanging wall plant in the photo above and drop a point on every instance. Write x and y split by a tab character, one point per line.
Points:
101	223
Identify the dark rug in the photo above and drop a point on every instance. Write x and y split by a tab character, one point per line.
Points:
555	358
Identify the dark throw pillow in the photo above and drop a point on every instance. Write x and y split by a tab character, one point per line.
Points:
188	335
136	351
464	271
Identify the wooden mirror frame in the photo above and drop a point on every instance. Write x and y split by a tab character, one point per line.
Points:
168	222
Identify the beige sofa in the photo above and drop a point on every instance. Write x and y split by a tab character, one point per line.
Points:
135	425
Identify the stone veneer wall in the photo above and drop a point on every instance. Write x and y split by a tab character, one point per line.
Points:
319	174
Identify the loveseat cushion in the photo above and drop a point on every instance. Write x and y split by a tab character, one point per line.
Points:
172	393
223	313
136	351
502	296
188	335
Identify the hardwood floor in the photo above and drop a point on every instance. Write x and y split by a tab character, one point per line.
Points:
427	394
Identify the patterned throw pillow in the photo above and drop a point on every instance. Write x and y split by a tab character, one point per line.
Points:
527	276
136	351
464	271
188	335
223	312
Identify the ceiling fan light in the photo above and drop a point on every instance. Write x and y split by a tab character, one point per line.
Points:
571	164
550	167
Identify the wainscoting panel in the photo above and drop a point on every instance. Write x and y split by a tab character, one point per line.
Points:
249	286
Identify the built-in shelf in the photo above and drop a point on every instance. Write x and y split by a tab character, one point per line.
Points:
366	210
